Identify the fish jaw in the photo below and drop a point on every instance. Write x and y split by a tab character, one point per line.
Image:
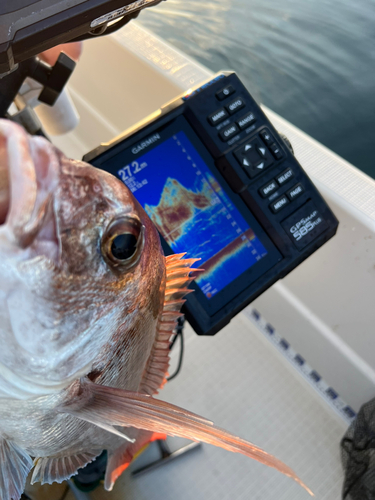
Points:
29	176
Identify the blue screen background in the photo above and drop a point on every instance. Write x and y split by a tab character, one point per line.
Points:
193	212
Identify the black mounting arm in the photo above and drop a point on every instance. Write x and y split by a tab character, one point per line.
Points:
52	78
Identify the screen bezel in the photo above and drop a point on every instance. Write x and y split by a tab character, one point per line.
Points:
121	154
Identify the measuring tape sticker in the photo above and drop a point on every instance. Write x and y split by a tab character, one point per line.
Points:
299	363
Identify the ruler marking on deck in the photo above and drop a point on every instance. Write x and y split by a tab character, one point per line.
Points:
313	378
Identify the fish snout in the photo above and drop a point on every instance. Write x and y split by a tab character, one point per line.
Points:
29	173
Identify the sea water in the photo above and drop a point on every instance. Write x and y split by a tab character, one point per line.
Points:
311	61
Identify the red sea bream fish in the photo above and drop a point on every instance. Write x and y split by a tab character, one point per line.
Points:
88	304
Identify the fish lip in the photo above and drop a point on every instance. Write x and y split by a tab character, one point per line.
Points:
53	253
29	180
45	240
41	236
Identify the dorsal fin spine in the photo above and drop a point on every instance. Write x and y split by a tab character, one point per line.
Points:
177	279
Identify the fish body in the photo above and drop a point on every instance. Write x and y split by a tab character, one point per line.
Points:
88	304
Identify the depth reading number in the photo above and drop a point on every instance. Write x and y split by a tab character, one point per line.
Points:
130	170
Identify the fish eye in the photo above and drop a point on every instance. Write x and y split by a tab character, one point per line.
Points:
123	241
124	246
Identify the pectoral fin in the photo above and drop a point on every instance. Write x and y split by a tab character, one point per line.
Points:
105	405
15	464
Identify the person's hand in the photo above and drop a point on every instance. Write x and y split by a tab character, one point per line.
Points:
72	50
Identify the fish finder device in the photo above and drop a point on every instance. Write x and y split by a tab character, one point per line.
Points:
222	185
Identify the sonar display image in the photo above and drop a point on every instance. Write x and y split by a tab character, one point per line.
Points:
192	211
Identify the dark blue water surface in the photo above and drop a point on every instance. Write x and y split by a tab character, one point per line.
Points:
311	61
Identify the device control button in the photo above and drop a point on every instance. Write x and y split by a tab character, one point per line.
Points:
246	120
246	164
218	116
225	92
268	189
304	225
254	150
248	148
296	191
279	204
276	151
253	157
253	169
260	165
235	105
285	176
228	132
267	137
262	151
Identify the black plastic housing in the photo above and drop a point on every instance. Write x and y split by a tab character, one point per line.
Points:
29	27
290	233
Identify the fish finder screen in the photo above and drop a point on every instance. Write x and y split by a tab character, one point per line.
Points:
193	212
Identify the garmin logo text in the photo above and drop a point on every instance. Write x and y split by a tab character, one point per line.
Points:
144	144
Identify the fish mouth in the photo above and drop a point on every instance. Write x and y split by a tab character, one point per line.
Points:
29	174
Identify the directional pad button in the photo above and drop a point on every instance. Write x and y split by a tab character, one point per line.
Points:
253	157
260	165
245	162
262	151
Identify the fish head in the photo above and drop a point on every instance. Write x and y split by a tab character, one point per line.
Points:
80	258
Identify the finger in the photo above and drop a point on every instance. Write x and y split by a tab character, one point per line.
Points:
73	50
